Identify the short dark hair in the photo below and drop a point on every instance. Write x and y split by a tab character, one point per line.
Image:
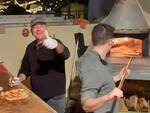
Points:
101	33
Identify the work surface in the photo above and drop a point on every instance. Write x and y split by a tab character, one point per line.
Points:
31	104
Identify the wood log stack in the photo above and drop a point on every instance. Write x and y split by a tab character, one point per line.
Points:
134	103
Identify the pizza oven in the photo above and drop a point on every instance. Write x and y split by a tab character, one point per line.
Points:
131	36
131	39
127	44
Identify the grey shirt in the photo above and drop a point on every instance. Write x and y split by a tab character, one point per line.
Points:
96	79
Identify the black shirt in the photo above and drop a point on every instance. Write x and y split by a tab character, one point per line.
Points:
46	68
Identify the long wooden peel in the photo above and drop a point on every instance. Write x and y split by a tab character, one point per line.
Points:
124	74
120	85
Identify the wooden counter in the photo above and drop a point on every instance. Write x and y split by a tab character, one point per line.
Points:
31	104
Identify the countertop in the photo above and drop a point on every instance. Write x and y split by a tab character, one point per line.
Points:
31	104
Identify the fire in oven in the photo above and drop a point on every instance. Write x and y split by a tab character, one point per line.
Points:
127	45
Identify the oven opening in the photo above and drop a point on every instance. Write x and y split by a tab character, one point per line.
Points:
130	45
126	46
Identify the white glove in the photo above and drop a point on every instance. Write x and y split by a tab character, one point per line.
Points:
49	42
1	88
14	81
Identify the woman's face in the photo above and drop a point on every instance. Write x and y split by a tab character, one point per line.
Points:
38	31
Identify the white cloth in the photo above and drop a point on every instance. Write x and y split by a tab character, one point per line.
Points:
14	81
49	42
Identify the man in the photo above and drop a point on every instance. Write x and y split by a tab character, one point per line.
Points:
44	61
98	85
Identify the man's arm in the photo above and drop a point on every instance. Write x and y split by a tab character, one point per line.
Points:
92	104
53	43
60	48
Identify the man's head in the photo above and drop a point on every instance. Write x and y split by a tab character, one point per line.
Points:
101	33
38	28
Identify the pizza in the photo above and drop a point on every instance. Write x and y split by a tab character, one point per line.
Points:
14	94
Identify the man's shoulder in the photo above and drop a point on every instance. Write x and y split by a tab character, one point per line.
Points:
89	56
87	60
32	43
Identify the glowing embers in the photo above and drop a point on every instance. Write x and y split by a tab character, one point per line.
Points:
126	47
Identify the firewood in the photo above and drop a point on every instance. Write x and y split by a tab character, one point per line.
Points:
133	103
127	102
143	105
122	105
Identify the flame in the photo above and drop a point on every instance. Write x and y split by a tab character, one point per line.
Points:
126	46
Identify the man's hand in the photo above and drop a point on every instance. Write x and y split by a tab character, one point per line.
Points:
124	72
14	81
116	92
49	42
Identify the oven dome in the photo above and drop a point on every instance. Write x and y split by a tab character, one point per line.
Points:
127	15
